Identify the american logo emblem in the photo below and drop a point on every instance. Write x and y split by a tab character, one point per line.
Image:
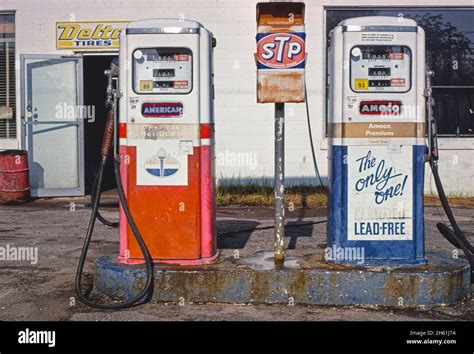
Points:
280	50
162	164
162	109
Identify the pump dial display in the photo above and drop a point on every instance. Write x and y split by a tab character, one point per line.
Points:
162	71
380	68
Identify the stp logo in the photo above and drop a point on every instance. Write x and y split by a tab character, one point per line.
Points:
280	50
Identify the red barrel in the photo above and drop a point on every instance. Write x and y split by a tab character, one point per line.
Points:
14	176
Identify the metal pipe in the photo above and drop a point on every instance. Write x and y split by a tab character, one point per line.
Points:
279	183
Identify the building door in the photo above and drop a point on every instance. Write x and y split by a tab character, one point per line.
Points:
53	124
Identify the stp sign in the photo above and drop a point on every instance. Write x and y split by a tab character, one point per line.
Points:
280	50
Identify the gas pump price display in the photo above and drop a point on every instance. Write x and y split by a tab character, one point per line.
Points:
380	68
162	70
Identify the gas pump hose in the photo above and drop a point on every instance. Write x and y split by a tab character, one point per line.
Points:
310	134
455	236
101	218
147	291
104	151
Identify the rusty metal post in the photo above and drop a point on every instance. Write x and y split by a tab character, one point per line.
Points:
279	184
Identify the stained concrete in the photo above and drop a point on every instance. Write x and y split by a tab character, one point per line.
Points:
304	279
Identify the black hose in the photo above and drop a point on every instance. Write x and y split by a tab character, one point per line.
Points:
315	163
101	218
444	199
456	237
146	293
449	235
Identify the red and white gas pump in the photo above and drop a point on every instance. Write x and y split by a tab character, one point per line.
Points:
161	125
166	141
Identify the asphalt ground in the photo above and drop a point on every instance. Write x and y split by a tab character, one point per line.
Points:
56	227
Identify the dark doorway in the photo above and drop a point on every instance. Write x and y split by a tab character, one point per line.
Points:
95	84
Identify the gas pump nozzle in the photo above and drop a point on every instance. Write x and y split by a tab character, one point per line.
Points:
432	153
112	75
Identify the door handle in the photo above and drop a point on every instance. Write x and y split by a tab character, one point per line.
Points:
29	122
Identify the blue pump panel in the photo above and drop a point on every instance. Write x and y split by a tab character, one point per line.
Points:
376	205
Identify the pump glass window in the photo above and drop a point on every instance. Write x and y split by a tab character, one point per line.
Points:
162	71
380	68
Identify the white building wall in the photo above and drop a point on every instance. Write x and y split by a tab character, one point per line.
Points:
244	129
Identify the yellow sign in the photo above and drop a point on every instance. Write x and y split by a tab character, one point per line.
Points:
89	35
361	84
146	85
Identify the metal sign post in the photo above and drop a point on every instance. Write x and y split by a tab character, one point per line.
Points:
279	184
280	60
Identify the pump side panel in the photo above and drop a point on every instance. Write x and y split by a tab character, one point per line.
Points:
345	233
168	217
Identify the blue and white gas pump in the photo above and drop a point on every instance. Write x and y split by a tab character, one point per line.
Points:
377	145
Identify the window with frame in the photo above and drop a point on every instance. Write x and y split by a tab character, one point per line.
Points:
7	76
449	53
